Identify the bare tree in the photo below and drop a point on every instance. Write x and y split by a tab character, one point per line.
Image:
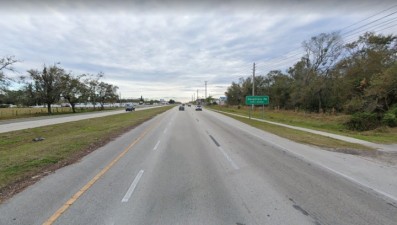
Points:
6	64
322	54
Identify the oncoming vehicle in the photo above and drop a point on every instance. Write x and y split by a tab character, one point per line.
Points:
129	107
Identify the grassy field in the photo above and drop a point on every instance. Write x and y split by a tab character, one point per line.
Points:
21	158
323	122
14	113
309	138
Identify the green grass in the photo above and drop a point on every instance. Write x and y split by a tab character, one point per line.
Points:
16	113
323	122
304	137
21	158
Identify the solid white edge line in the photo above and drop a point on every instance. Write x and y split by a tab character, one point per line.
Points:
228	158
132	187
302	157
156	146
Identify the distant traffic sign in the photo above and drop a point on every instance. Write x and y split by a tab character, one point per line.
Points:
257	100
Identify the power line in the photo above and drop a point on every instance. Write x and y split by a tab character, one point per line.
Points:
370	22
277	61
394	6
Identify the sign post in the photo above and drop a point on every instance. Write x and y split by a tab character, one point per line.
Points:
257	100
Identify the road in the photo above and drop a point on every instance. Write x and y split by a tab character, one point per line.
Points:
26	123
188	167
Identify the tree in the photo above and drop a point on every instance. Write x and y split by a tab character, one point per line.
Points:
234	94
72	89
322	54
383	89
92	85
47	84
300	88
209	99
106	93
279	88
368	59
6	63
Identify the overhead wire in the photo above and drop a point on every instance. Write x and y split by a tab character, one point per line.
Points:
378	23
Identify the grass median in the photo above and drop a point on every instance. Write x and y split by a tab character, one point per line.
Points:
23	161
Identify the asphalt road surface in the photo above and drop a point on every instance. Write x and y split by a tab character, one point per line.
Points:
188	167
26	123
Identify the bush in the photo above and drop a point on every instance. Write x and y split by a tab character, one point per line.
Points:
390	120
363	121
390	117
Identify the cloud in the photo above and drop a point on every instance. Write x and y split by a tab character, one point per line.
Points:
153	49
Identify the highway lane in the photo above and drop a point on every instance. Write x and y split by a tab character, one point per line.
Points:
188	167
26	123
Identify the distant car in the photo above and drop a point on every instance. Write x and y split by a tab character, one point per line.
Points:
189	105
199	108
181	108
129	107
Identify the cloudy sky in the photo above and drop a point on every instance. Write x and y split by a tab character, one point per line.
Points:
168	49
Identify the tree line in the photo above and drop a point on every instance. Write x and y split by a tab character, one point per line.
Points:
53	84
358	78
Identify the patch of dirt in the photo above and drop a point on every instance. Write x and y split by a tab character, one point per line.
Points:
18	186
370	153
389	158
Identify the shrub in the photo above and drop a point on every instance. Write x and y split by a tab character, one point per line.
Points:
390	120
363	121
390	117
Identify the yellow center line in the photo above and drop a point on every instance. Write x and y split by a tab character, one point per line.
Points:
76	196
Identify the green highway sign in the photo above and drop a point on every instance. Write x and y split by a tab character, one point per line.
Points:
257	100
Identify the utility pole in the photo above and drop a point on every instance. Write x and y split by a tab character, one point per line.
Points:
197	94
205	89
253	83
120	99
253	80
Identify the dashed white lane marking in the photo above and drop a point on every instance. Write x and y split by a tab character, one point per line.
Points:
156	146
228	158
165	131
132	187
